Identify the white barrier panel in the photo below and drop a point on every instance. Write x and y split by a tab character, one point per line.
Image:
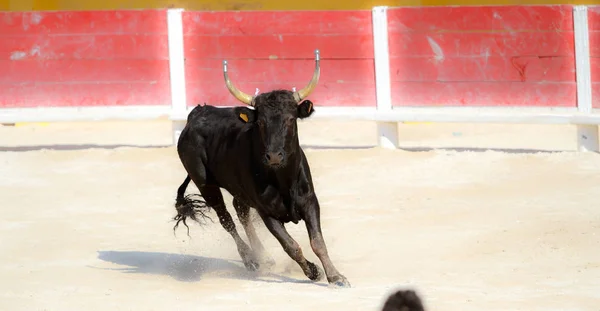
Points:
177	70
587	135
387	131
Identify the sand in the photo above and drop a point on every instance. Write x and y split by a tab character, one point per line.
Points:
86	222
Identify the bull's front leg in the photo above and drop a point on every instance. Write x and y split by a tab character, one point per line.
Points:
273	208
312	218
291	247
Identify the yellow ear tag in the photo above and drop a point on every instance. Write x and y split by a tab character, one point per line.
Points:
309	107
244	117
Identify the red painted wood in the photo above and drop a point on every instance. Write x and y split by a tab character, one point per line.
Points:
76	70
84	94
342	82
513	94
594	30
84	58
596	94
83	22
325	94
595	43
276	49
595	72
468	44
478	69
594	18
108	46
280	34
242	23
279	46
493	56
595	68
481	18
298	72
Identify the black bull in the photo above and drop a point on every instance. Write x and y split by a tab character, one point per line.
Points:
255	155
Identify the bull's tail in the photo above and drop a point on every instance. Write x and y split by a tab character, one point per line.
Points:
189	206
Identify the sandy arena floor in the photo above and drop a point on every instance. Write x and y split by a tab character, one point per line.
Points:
88	227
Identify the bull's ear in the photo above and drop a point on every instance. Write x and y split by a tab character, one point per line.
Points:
245	115
305	109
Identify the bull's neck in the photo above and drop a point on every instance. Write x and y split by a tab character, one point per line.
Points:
290	171
286	177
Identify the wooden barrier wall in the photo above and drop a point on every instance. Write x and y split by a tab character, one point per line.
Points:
482	56
269	50
594	27
439	56
101	58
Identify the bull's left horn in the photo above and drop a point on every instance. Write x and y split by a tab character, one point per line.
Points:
303	93
239	95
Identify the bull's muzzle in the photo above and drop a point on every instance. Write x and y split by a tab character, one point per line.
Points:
275	159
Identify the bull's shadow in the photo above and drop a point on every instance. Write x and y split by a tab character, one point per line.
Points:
188	268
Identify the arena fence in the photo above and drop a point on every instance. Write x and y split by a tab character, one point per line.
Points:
472	64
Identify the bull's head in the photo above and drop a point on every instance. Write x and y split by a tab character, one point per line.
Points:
275	114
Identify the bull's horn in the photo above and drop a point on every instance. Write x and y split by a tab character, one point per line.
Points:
303	93
241	96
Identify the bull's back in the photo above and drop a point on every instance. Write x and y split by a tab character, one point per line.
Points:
207	127
206	118
213	124
217	134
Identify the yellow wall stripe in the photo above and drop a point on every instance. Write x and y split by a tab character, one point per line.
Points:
39	5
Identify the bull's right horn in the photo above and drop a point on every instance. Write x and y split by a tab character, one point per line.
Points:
303	93
239	95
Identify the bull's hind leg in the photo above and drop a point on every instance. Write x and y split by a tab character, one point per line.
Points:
214	198
243	212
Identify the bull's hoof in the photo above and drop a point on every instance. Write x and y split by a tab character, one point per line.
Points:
339	281
248	257
315	273
251	265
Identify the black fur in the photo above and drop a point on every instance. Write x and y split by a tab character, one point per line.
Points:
234	149
403	300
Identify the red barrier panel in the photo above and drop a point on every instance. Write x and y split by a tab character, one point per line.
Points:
269	50
594	28
439	56
98	58
482	56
